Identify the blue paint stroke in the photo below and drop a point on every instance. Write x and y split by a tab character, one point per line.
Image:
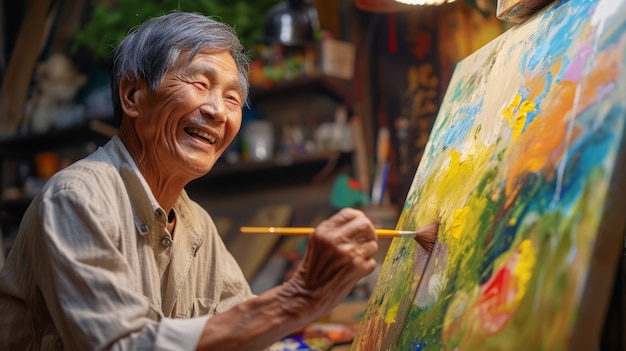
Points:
417	346
462	125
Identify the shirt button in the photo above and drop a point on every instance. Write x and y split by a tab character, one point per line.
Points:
160	213
166	241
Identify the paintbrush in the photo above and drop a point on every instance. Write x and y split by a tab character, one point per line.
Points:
425	236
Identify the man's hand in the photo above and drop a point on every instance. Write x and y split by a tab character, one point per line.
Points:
338	255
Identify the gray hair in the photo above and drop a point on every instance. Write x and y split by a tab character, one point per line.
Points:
153	47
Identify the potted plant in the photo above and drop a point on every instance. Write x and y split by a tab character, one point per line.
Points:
110	21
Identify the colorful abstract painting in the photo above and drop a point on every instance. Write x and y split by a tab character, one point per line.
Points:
524	169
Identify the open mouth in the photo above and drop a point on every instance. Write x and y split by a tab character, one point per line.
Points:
200	135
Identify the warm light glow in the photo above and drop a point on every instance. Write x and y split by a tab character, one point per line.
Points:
425	2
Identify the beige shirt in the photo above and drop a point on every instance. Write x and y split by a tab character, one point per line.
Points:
93	266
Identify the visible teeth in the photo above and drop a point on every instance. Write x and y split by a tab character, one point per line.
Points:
201	134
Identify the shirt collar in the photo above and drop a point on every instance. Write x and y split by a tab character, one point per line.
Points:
143	202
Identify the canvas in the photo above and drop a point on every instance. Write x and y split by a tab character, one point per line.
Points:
524	169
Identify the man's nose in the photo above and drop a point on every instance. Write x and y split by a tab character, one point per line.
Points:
214	107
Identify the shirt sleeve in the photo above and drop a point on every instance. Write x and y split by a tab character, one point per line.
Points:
171	331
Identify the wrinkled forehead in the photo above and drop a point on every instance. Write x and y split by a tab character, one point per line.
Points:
186	58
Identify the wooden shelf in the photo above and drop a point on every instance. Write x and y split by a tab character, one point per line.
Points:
23	147
339	89
300	169
309	169
94	130
226	169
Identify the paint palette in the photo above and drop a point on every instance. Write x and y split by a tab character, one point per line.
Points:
317	337
302	344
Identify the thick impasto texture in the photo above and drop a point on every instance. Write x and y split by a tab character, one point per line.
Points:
519	169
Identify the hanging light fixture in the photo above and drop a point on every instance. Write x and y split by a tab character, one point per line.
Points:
291	23
425	2
391	6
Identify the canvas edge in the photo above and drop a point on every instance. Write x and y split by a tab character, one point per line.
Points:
608	249
396	329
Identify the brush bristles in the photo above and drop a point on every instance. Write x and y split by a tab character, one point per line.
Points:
427	236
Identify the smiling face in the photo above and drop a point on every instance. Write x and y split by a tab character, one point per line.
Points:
184	126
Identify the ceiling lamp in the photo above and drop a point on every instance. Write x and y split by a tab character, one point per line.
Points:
391	6
425	2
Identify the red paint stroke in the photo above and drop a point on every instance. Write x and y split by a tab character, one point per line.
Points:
490	313
498	295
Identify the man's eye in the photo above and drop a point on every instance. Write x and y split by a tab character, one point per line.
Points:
233	99
201	85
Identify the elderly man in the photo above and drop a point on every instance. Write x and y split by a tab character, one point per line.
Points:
113	254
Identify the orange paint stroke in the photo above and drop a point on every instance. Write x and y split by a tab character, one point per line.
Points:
541	146
539	83
542	140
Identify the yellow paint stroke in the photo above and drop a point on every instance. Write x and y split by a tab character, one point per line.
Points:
459	221
449	187
508	111
522	115
392	313
517	113
465	225
457	173
524	270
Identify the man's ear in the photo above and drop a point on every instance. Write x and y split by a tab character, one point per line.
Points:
128	97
